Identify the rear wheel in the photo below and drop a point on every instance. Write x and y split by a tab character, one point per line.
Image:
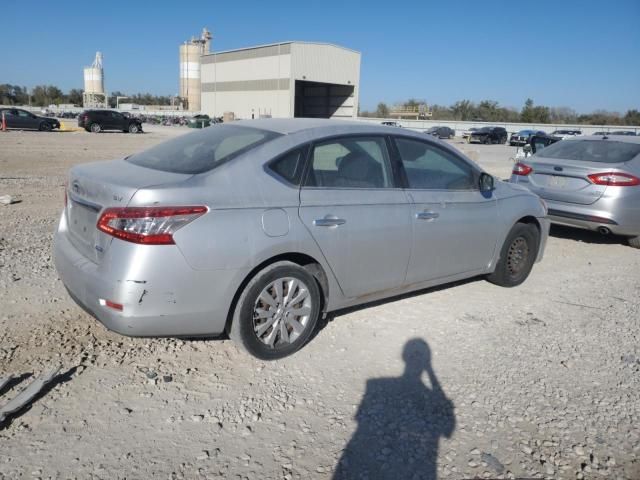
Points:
45	127
517	256
133	128
634	241
277	311
95	128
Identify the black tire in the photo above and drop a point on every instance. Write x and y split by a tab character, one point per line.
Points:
517	256
487	140
45	127
95	128
634	241
242	330
133	128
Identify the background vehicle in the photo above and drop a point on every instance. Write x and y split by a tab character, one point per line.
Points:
441	132
467	133
199	121
623	132
23	120
590	182
562	134
97	121
489	135
257	227
523	136
391	124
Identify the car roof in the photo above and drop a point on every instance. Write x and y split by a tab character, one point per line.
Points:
617	138
288	126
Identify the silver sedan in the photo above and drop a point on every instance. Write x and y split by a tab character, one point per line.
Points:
259	227
588	182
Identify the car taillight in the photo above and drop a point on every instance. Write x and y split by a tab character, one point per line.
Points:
147	225
522	169
614	179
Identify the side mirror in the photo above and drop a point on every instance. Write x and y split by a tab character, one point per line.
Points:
486	182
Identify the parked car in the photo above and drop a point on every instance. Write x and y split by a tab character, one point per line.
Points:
523	136
590	182
441	132
97	121
538	142
562	134
467	133
199	121
623	132
391	124
489	135
259	227
23	120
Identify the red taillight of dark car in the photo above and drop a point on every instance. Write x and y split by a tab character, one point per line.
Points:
522	169
147	225
614	179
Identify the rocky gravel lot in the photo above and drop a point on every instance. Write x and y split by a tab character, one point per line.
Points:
465	381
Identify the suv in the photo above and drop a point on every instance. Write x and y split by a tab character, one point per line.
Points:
489	135
441	132
388	123
523	136
98	120
23	120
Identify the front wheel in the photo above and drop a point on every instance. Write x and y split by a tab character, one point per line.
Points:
517	256
487	141
634	241
276	312
95	128
133	128
45	127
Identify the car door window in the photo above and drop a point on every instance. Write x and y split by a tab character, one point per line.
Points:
351	162
24	114
429	167
289	166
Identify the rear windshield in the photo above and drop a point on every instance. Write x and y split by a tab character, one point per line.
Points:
201	151
600	151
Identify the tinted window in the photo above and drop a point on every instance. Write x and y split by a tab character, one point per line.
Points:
429	167
202	151
354	162
24	114
601	151
289	166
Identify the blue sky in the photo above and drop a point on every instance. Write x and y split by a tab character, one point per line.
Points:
580	54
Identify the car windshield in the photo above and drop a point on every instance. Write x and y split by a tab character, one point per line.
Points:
484	129
202	151
600	151
525	132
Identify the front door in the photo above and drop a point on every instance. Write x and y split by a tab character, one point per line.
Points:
453	222
358	217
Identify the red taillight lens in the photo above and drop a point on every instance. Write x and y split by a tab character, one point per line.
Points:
147	225
614	179
522	169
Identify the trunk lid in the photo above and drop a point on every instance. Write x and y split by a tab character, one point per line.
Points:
95	186
566	180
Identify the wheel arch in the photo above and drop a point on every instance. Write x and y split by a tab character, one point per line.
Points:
313	266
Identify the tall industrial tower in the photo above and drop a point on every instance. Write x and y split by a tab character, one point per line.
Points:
190	53
94	95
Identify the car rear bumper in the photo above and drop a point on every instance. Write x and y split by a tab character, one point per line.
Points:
592	217
160	293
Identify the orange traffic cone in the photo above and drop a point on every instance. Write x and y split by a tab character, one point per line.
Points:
4	123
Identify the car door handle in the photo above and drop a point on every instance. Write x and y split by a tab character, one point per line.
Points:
427	215
329	221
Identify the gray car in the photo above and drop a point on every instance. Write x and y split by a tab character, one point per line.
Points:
588	182
259	227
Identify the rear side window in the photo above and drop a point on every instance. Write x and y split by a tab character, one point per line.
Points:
599	151
351	162
289	166
201	151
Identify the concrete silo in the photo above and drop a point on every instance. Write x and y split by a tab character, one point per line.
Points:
94	95
190	53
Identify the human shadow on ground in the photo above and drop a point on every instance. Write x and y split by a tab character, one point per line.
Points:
400	422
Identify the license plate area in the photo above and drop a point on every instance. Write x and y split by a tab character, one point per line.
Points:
556	181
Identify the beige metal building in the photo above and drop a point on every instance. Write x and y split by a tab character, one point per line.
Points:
282	80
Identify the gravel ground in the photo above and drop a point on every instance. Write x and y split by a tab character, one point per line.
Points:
467	380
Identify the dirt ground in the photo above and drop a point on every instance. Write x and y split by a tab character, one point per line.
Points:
467	380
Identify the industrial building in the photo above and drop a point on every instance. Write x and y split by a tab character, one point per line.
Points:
190	54
281	80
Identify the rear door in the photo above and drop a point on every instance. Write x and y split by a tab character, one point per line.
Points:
356	214
453	223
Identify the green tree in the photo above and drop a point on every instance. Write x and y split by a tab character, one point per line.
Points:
632	117
463	110
382	111
75	96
